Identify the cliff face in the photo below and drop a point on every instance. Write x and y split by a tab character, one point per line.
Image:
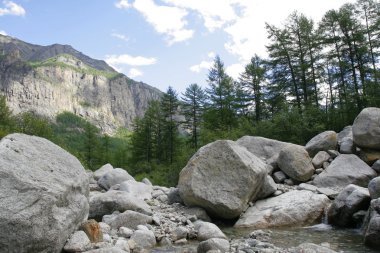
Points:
65	83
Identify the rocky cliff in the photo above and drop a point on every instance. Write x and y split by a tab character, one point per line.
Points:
57	78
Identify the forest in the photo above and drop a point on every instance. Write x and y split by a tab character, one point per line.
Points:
317	76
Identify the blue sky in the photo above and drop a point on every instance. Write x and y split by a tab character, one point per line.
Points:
159	42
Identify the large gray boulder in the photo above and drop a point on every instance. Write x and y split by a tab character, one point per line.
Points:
345	170
113	177
293	208
352	199
264	148
137	189
102	171
371	226
108	202
207	230
43	192
366	128
222	177
322	142
295	162
374	188
345	133
320	158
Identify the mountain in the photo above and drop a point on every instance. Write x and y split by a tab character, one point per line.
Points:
57	78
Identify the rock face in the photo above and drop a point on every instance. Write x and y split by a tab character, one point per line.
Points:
43	192
352	199
222	177
322	142
64	79
294	208
345	170
366	128
372	225
295	162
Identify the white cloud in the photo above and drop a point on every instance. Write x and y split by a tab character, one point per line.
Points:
123	4
211	55
133	73
201	66
12	8
165	20
126	59
235	70
2	32
120	36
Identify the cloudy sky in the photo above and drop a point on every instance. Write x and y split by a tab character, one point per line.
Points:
160	42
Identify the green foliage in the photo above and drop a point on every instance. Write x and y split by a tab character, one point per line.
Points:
33	124
7	122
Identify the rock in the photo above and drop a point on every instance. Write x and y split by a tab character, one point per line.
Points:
92	230
122	243
307	187
107	250
322	142
347	146
331	194
129	219
345	170
78	242
125	232
295	162
174	197
333	153
207	230
146	181
213	177
144	239
369	156
279	177
136	189
293	208
371	227
376	166
43	192
374	188
263	148
318	171
108	202
214	244
311	248
268	188
179	233
320	158
345	133
358	217
199	212
366	128
104	227
116	176
102	171
352	199
289	182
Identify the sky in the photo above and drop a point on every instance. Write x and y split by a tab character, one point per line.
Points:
160	42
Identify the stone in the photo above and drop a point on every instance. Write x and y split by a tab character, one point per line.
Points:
295	162
213	177
107	250
325	165
345	133
376	166
208	230
125	232
116	176
320	158
174	197
144	239
331	194
366	128
216	244
129	219
146	181
307	187
43	192
104	227
352	199
345	170
268	188
179	233
311	248
122	243
374	188
347	146
78	242
92	230
137	189
279	177
293	208
108	202
322	142
264	148
333	153
371	226
199	212
102	171
369	156
289	182
318	171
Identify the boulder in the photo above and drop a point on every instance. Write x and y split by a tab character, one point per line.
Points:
293	208
347	146
222	177
366	128
279	177
311	248
43	192
295	162
128	219
137	189
371	226
269	187
264	148
108	202
320	158
214	244
374	188
92	230
345	170
174	197
143	239
116	176
345	133
107	250
369	156
102	171
207	230
322	142
179	233
352	199
123	244
376	166
78	242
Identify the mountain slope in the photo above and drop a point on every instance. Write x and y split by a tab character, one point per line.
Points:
57	78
